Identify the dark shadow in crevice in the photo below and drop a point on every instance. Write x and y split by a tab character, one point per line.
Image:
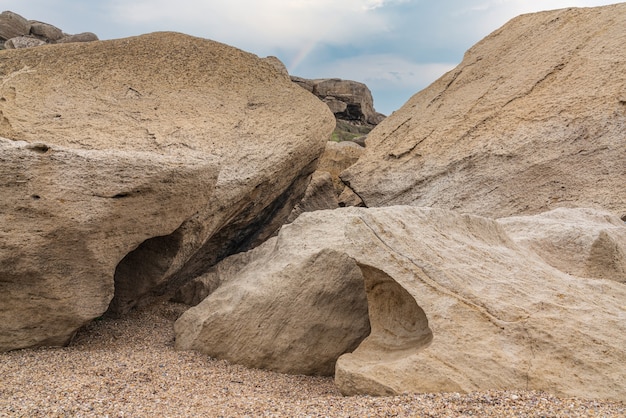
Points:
143	269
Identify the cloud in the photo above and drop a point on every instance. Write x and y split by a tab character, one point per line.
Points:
253	24
391	78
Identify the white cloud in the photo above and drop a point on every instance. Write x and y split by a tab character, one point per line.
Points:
250	24
385	71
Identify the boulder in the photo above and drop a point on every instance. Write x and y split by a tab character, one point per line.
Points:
201	159
79	37
581	242
319	195
46	31
23	42
532	119
291	318
12	25
336	158
69	215
349	100
454	303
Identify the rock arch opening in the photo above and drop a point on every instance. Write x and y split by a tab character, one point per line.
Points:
397	322
143	269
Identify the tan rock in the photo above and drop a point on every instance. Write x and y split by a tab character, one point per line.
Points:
220	139
454	304
12	25
319	195
296	319
46	31
532	119
336	158
68	216
79	37
581	242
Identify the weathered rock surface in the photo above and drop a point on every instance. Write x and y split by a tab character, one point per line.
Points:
120	175
46	31
68	216
532	119
326	190
581	242
454	304
79	37
12	25
350	101
23	42
16	32
294	317
319	195
336	158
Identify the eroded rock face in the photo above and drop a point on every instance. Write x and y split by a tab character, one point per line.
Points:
67	218
12	25
532	119
16	32
454	304
581	242
291	318
216	136
349	100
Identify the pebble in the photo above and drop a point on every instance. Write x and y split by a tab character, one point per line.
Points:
128	368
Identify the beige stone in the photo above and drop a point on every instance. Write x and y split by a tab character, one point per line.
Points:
319	195
581	242
294	317
215	135
337	157
12	25
454	304
68	216
532	119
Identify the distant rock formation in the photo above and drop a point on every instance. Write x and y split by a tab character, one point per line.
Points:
119	181
425	300
532	119
350	101
17	32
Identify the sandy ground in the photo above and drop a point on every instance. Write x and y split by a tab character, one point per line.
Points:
128	368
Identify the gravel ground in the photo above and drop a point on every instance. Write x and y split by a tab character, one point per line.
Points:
128	368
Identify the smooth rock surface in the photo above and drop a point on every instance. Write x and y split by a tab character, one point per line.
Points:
297	317
532	119
221	139
455	304
581	242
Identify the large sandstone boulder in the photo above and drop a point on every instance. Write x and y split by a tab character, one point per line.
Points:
532	119
136	164
453	303
12	25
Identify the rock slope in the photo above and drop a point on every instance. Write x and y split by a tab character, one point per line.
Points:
532	119
453	304
136	164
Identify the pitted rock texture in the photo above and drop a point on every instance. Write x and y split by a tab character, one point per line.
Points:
532	119
216	135
454	304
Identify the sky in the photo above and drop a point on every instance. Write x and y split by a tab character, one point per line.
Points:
395	47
